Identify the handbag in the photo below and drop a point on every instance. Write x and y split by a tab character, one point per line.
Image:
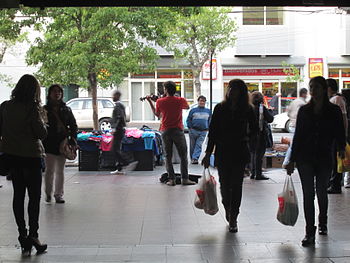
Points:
68	149
288	210
206	197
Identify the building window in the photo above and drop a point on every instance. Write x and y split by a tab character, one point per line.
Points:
168	74
258	15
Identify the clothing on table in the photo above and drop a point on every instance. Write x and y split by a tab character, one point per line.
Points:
106	143
148	139
170	108
133	132
170	137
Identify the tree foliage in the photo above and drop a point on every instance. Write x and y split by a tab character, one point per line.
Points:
200	32
293	73
97	46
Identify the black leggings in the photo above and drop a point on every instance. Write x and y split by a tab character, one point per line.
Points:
231	183
27	178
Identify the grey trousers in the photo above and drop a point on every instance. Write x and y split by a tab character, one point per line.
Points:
54	169
177	137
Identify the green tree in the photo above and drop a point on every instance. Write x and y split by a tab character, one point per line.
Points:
97	46
200	32
293	73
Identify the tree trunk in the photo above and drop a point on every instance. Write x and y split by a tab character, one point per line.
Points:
197	84
93	89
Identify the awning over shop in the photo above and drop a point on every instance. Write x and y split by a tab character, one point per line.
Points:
262	62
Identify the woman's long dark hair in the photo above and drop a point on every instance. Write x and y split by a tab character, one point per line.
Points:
321	83
27	90
48	99
237	98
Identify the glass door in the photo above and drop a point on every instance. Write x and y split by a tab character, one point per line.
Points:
271	92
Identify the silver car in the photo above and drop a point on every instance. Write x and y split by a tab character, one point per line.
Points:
82	111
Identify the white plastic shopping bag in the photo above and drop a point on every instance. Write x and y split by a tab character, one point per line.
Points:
288	210
206	197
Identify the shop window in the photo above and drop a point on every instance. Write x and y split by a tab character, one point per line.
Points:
149	88
333	72
188	75
143	75
289	93
136	94
346	85
252	86
345	72
169	74
257	15
188	90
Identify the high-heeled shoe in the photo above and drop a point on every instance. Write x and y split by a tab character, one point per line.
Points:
26	245
40	248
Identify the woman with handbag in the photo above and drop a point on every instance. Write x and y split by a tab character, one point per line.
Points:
22	128
62	130
319	128
233	121
263	139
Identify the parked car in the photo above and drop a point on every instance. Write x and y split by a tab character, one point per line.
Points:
281	121
82	110
186	112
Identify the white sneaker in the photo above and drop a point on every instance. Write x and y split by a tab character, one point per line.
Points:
117	172
131	166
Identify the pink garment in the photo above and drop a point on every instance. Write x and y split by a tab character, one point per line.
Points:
133	132
106	142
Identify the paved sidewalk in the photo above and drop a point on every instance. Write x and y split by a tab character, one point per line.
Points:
134	218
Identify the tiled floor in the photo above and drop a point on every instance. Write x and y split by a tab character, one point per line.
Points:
134	218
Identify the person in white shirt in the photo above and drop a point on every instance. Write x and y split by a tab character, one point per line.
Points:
292	113
337	99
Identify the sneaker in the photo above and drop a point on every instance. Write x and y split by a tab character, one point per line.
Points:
261	177
117	172
332	190
60	200
194	161
131	166
187	182
171	182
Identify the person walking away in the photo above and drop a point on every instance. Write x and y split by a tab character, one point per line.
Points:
198	124
22	128
337	99
169	108
275	104
319	126
233	122
61	125
292	113
259	142
118	124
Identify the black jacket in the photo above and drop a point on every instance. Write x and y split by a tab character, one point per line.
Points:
315	135
262	135
118	121
55	137
230	134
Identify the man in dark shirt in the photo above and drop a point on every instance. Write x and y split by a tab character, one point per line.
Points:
118	124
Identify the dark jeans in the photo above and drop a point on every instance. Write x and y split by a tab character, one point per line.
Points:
335	177
231	182
309	174
117	148
27	178
258	148
177	137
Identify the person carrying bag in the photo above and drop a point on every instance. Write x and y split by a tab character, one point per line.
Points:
60	143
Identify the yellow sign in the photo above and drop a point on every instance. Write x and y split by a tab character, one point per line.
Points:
315	67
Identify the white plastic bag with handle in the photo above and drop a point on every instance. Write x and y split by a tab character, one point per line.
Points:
288	210
206	197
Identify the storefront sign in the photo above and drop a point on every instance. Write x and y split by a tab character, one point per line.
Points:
254	72
206	70
315	67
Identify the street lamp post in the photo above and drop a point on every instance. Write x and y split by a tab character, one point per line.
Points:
211	82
